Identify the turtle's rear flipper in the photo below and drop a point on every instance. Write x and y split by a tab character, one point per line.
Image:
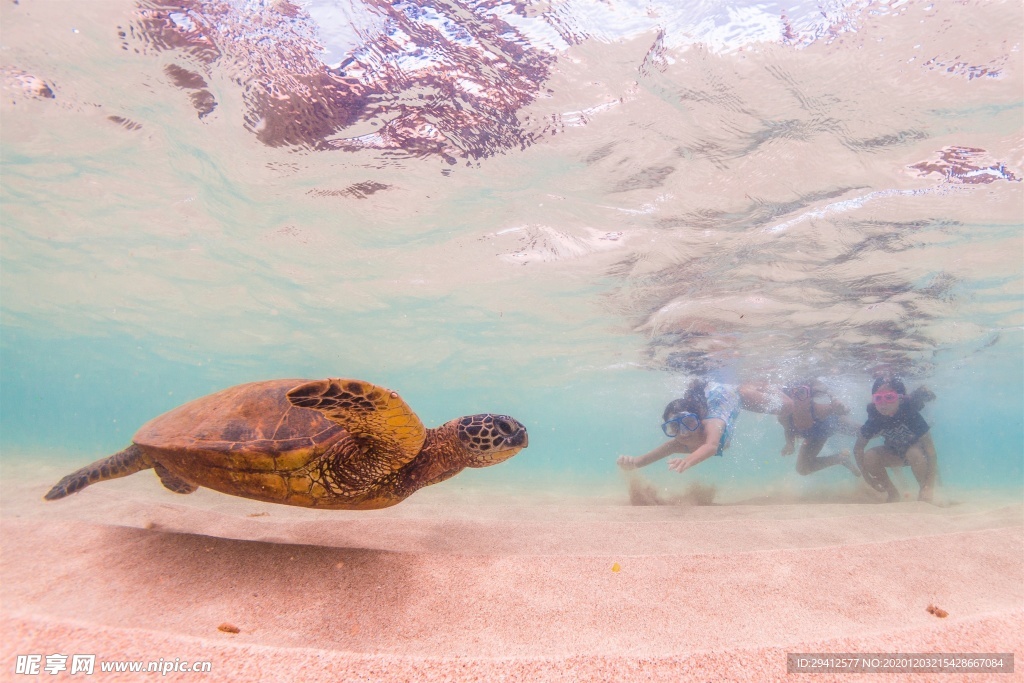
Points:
128	461
171	481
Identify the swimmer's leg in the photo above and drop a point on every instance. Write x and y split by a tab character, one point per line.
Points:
875	461
808	461
924	472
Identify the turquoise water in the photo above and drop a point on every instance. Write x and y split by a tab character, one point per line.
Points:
562	213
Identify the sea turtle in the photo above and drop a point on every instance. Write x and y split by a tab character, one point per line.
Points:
332	443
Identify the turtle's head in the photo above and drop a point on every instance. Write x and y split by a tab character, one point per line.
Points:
489	439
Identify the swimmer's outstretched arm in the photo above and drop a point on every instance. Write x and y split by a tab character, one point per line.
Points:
666	449
761	398
713	429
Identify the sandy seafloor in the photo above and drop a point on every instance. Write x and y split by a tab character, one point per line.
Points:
485	584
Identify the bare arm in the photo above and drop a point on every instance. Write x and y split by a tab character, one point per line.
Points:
858	451
713	429
929	447
839	408
666	449
869	474
858	448
762	398
928	484
787	426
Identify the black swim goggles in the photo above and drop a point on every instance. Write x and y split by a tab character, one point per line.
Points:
679	422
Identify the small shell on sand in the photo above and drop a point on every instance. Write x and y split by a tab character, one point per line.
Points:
938	611
27	83
229	628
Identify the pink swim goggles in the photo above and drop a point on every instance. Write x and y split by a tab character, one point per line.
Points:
885	397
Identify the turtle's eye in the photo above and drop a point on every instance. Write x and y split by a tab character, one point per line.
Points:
505	427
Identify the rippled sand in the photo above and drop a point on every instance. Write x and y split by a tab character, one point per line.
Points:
458	584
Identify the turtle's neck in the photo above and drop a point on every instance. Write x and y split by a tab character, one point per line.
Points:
441	457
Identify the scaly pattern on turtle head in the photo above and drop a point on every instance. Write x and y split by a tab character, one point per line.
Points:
489	439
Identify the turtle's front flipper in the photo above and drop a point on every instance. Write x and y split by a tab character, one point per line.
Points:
128	461
172	481
390	433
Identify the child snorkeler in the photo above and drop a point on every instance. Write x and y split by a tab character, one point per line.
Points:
811	413
806	410
897	418
699	424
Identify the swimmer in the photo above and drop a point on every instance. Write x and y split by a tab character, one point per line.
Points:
806	410
811	413
896	417
700	424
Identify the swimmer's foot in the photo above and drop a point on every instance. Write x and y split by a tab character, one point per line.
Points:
845	461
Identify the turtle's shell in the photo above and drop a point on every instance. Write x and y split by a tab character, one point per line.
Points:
250	427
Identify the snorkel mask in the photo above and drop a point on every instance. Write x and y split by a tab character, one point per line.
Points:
680	422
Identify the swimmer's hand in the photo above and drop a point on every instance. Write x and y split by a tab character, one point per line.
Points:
789	448
839	408
679	465
627	462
